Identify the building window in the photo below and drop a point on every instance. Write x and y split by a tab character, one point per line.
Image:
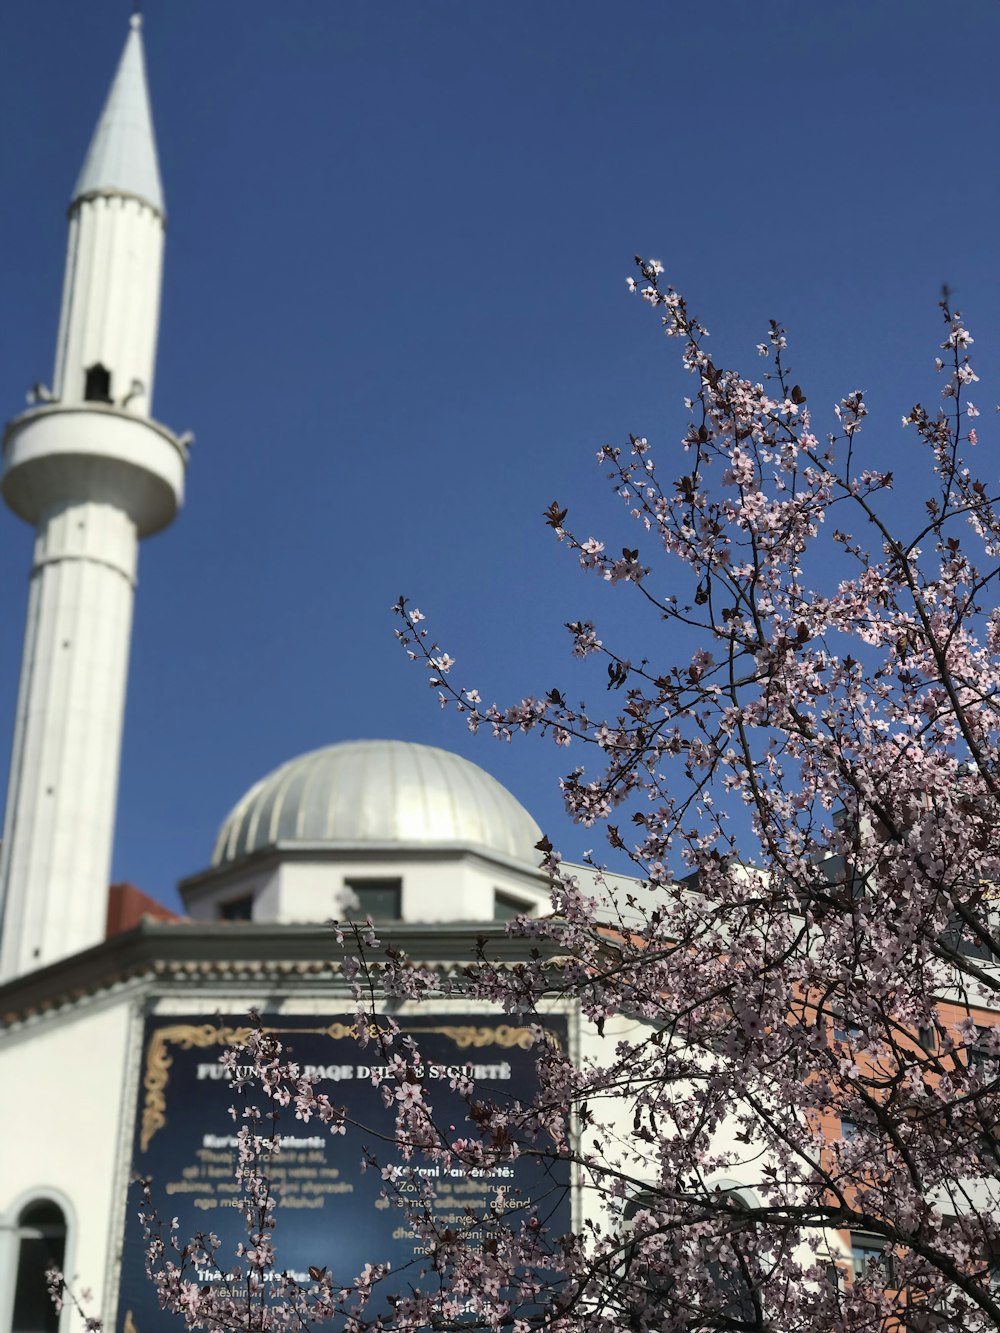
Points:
42	1244
871	1261
97	384
845	885
983	1053
845	1031
647	1284
959	938
927	1038
853	1130
729	1297
381	899
506	908
237	909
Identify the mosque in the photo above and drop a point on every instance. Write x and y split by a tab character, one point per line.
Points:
112	1008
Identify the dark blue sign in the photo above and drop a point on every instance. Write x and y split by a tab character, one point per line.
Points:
331	1214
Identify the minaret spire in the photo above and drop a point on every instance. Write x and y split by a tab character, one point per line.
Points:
122	154
111	294
92	472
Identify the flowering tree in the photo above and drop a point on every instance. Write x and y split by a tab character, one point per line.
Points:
783	1110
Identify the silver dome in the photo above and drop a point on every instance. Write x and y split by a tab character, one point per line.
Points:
378	793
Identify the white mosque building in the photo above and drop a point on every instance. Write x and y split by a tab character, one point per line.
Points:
99	988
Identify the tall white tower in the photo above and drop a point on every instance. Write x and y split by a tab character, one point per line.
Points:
92	472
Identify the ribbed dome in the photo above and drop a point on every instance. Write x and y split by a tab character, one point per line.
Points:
378	793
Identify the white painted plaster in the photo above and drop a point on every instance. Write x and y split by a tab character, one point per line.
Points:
62	1136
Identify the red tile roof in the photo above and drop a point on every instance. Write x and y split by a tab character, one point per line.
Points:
127	906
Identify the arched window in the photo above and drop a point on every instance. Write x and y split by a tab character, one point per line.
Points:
647	1284
97	385
41	1231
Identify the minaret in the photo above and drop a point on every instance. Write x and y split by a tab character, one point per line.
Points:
92	472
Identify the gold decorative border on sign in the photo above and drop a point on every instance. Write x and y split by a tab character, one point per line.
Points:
503	1035
187	1036
159	1060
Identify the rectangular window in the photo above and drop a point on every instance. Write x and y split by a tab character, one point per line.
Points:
381	899
851	1130
237	909
959	937
871	1260
506	908
983	1055
845	1031
842	879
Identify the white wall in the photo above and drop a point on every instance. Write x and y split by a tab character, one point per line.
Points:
63	1079
436	886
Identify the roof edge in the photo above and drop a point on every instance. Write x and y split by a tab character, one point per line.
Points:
164	949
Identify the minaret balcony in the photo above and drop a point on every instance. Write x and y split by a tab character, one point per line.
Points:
61	454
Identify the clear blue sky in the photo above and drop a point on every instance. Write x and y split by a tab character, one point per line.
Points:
395	316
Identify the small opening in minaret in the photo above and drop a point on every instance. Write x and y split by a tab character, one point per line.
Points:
97	387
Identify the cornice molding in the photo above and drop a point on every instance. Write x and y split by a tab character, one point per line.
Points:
292	957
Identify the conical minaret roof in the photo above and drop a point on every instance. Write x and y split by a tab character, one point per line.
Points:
122	153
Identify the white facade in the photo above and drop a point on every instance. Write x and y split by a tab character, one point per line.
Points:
298	885
69	1150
